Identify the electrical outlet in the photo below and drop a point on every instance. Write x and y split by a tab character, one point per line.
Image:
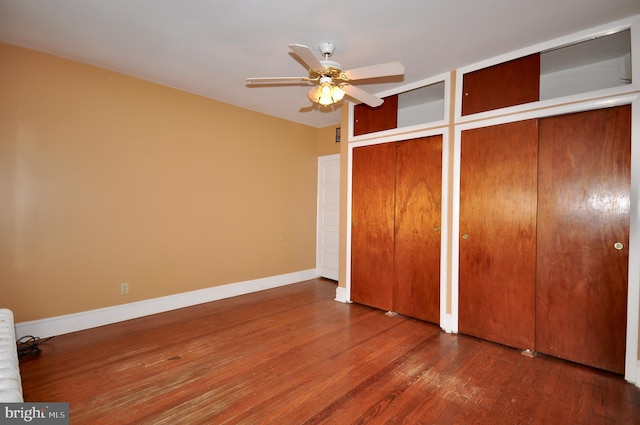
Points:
124	289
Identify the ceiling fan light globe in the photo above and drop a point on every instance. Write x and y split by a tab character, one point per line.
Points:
313	94
338	94
325	100
325	90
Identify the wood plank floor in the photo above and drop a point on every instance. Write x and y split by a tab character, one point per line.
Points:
293	355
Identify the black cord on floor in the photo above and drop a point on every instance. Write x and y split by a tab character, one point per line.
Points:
29	346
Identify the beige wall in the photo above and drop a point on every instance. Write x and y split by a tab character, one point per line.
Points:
327	141
106	179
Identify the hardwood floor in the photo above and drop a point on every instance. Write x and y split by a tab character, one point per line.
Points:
293	355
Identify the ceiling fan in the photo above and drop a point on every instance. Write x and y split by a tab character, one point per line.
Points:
330	80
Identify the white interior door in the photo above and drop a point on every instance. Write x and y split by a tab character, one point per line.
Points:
327	239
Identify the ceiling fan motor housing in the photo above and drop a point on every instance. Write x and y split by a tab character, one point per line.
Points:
330	69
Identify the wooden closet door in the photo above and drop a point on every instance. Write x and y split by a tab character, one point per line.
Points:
498	174
584	191
372	227
417	228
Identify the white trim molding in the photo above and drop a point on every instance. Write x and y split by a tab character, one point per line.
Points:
447	323
104	316
341	295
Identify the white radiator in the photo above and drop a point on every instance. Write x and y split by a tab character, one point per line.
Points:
10	383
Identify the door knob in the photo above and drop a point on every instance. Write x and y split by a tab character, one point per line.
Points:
465	236
437	228
618	245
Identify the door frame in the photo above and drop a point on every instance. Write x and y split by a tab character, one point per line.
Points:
633	292
444	240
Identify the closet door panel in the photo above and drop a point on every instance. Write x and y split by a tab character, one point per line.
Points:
584	192
417	228
506	84
372	228
367	119
498	181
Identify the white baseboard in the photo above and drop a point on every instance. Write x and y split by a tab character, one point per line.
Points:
341	295
104	316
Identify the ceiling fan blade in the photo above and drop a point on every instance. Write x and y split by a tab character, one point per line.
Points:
277	80
361	95
375	71
307	56
308	101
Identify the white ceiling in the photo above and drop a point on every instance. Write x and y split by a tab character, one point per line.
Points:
209	47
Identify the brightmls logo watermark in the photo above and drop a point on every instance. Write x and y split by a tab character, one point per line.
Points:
34	413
